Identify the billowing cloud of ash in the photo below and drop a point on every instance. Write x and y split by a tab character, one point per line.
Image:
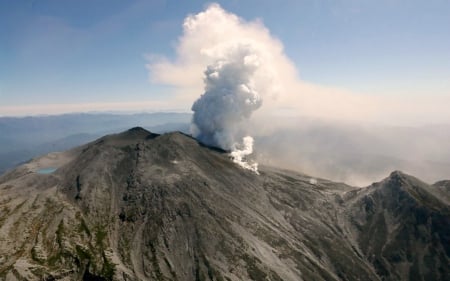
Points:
207	34
235	82
215	40
250	87
230	98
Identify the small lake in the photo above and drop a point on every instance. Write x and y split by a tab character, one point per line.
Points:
46	171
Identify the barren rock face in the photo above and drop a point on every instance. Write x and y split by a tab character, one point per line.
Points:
402	229
140	206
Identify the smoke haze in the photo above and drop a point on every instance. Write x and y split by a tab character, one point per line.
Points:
354	153
250	87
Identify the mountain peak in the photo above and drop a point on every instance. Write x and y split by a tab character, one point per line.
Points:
137	132
397	174
142	206
137	129
400	179
400	183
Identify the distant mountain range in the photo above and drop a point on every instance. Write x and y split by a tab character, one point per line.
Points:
24	138
143	206
351	153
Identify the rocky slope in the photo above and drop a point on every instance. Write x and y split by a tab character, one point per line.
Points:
402	228
140	206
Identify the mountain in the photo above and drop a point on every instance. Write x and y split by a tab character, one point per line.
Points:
143	206
402	228
353	153
22	138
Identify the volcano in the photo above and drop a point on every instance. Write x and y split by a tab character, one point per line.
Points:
142	206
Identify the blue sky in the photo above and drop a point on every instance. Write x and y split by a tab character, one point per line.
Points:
68	52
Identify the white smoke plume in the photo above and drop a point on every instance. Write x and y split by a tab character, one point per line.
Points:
313	181
239	154
236	79
229	99
206	35
288	113
215	40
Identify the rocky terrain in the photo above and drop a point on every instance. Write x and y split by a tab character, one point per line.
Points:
23	138
141	206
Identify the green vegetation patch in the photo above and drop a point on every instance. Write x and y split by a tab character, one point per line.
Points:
60	234
84	228
108	268
100	235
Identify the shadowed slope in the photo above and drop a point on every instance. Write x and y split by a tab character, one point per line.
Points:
403	229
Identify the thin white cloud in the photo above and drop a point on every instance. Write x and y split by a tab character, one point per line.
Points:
52	109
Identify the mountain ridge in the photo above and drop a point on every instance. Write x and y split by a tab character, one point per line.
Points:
142	206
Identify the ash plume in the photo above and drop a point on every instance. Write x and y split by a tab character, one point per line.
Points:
229	99
238	61
300	125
